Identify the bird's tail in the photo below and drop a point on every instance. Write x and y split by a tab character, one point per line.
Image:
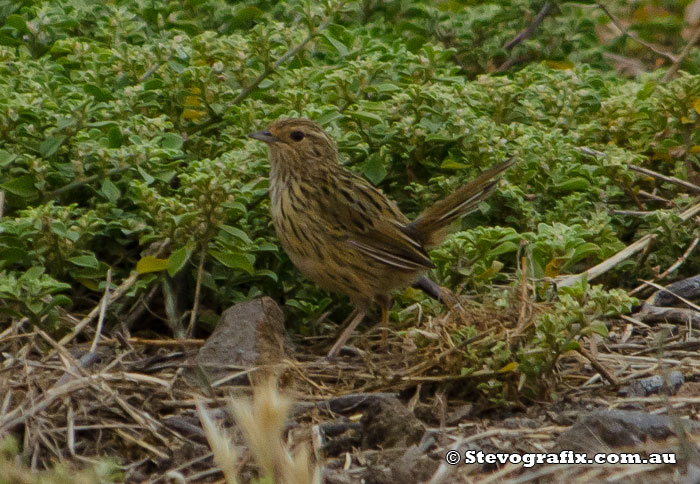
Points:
430	226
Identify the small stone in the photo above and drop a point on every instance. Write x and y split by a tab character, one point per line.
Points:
654	384
247	335
599	431
388	423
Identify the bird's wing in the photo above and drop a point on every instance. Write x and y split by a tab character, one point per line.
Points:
361	216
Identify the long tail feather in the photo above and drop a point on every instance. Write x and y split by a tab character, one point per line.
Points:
429	227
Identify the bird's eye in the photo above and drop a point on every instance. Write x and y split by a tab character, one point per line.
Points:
297	135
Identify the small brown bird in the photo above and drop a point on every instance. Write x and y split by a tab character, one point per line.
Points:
345	234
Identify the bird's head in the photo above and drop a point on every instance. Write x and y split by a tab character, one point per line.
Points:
298	142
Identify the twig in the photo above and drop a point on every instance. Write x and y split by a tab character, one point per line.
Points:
524	34
197	289
682	56
174	318
406	374
608	264
624	65
150	71
136	311
624	254
526	304
86	181
103	311
654	197
590	151
673	267
245	92
680	298
118	292
656	314
21	413
634	213
634	36
2	202
598	366
513	62
669	179
157	342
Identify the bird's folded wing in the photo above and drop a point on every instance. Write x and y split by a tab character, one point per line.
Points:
371	224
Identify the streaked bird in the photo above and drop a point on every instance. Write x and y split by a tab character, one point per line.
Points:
345	234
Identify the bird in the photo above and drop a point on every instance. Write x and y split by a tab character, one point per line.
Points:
342	232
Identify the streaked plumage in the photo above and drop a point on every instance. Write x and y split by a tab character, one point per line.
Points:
342	232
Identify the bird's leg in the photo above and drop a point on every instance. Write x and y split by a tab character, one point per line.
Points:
437	292
385	304
429	287
346	334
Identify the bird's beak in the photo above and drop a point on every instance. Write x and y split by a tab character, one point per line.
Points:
265	136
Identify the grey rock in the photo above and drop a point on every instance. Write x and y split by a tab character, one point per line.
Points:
603	430
687	288
247	335
388	423
414	466
654	384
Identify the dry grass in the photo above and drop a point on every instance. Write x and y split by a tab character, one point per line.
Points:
131	399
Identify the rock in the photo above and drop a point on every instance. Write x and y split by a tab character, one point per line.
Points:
605	429
388	423
687	288
654	384
414	466
248	334
458	414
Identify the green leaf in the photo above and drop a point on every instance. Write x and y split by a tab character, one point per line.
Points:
172	141
329	117
584	250
374	169
179	258
22	186
338	45
153	84
102	124
11	255
267	273
61	300
574	184
6	158
85	261
17	22
504	248
151	264
144	174
600	328
33	272
386	87
64	123
101	95
50	145
110	190
114	137
244	16
450	164
366	116
236	232
571	345
267	247
235	260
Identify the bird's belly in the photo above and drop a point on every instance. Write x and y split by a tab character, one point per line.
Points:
337	267
332	263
